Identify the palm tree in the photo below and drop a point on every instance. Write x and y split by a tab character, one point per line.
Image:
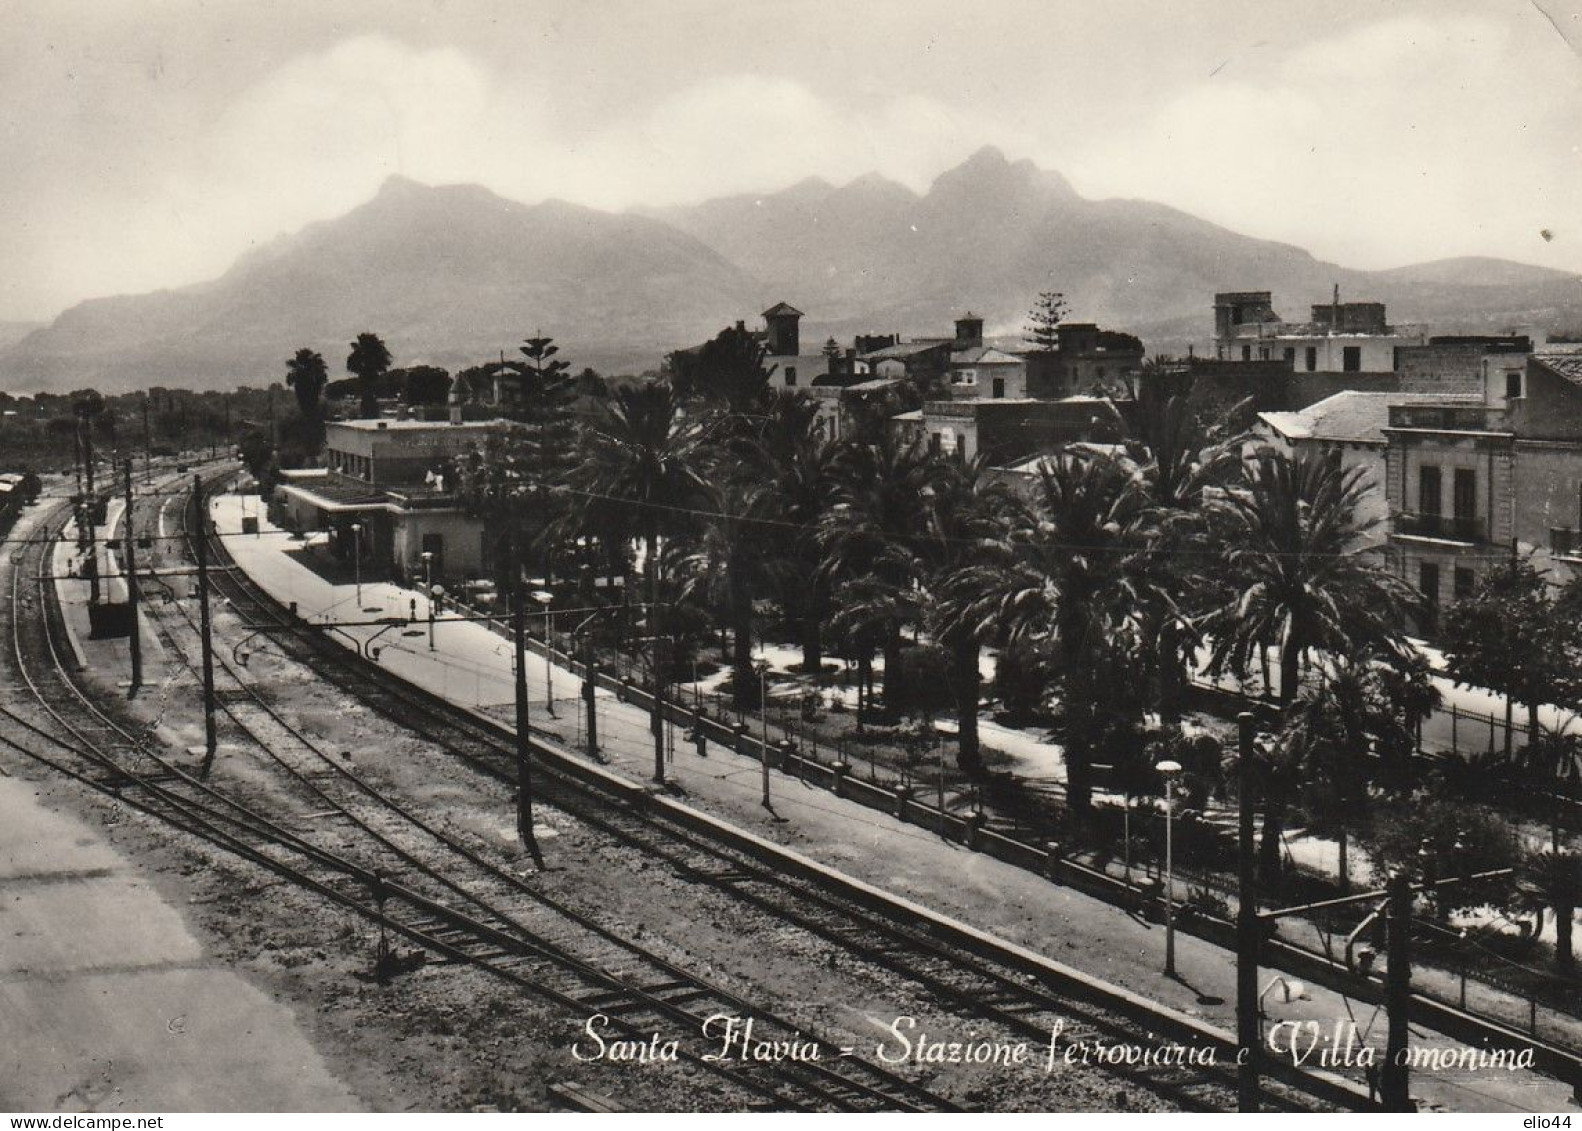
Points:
307	375
643	465
1301	571
796	464
369	361
1553	879
729	562
1360	702
869	535
1066	573
964	514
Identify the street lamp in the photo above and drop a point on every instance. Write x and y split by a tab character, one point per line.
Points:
428	587
357	558
1169	769
547	599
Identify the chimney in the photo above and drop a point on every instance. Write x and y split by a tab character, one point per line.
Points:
1334	312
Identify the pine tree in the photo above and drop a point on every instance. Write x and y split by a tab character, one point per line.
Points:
1043	321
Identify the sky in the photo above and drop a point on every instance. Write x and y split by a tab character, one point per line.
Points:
147	143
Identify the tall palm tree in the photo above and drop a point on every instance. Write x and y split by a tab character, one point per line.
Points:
1066	574
868	537
644	462
369	361
796	465
1302	573
965	512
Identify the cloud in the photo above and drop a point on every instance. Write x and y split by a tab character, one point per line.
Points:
1398	139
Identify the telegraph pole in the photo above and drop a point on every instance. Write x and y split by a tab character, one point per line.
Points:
590	685
1247	927
658	722
148	445
93	511
201	548
1393	1081
524	781
135	638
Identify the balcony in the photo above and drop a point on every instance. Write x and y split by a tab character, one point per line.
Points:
1449	528
1447	417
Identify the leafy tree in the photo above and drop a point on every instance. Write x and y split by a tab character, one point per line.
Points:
307	375
369	362
727	371
1043	321
1509	638
423	384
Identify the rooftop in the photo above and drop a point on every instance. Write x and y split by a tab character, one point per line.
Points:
1352	417
391	425
1566	365
984	355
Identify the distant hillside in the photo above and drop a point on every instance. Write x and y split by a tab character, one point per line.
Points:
11	332
991	233
447	275
453	275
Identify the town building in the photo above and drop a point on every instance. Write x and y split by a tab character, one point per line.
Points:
1349	428
1498	472
1339	337
1085	360
392	480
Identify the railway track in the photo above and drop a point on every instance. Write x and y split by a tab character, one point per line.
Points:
372	873
952	974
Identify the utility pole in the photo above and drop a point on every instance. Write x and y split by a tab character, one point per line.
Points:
1248	1037
135	638
1393	1081
148	445
590	684
93	511
524	781
658	721
201	549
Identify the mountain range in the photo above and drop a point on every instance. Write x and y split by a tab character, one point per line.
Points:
451	275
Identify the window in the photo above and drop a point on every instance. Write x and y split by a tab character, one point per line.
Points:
1428	585
1263	353
1312	358
1246	353
1513	383
1465	582
1428	501
964	377
1464	493
1290	355
999	387
790	376
936	442
1351	359
1395	360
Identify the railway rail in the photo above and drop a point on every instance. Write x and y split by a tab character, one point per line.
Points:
1020	1000
374	876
